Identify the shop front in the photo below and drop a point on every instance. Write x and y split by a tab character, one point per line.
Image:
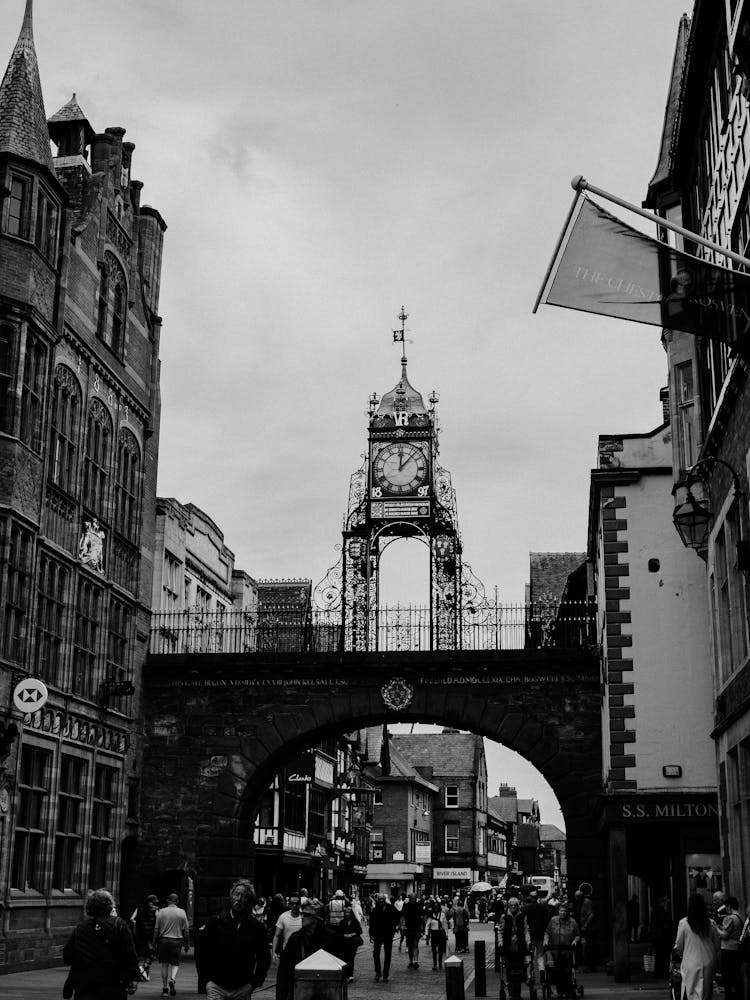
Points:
657	846
449	881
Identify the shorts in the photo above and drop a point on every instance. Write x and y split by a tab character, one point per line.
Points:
169	951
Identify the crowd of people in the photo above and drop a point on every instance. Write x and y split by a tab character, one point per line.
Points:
538	937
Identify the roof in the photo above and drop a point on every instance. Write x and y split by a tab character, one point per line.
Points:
451	755
401	770
505	807
527	835
23	122
549	572
67	115
548	831
672	111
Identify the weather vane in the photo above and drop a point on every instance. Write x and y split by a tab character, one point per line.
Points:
399	336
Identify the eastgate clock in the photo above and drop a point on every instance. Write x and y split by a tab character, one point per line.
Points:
400	467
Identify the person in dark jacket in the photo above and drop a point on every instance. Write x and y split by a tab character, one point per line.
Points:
384	920
349	932
101	953
233	952
312	936
143	922
516	946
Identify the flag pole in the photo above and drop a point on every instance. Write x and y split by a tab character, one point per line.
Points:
580	184
563	232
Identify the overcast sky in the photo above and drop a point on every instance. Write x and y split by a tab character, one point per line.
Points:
319	164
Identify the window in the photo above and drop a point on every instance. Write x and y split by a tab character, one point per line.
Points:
110	327
728	600
119	641
45	234
86	639
17	595
378	797
52	599
202	599
105	790
294	806
451	838
127	486
18	207
32	393
28	847
66	871
96	462
317	818
8	350
170	585
377	845
451	796
64	427
685	399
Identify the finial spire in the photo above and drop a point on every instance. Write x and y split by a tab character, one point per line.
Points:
399	337
23	123
28	17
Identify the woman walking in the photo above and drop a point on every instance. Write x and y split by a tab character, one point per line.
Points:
697	947
436	933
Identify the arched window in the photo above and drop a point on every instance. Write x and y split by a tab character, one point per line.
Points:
113	295
32	393
64	428
97	461
127	486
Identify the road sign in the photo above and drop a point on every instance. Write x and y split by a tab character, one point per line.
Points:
30	695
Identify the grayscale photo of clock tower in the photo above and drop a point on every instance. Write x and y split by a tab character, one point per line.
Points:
400	491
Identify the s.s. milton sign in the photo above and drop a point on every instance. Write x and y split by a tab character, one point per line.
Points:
661	809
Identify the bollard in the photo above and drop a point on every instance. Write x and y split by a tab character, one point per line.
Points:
480	969
498	956
320	976
454	978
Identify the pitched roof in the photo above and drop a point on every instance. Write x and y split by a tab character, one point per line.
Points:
548	831
400	769
23	122
674	100
448	754
69	113
504	806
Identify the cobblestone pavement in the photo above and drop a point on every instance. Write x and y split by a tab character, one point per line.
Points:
420	984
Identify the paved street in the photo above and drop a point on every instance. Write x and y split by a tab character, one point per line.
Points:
424	984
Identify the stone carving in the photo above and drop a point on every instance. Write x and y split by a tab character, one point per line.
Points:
91	546
397	694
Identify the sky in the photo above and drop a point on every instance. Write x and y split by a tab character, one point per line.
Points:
319	164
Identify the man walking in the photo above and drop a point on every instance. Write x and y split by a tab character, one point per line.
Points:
312	936
233	953
384	920
413	920
171	933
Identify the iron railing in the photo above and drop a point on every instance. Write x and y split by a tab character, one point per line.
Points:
541	624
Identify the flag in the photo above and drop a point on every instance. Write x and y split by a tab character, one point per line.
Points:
385	752
604	266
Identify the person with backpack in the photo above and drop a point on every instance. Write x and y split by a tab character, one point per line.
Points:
730	930
101	954
142	923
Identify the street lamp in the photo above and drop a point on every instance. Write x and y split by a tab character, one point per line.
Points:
692	518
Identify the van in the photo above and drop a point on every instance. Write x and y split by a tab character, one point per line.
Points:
543	883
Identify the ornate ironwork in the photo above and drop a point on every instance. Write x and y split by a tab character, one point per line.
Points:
397	694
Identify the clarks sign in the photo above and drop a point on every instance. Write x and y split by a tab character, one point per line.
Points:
644	809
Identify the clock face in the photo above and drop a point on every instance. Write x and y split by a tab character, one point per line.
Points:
400	467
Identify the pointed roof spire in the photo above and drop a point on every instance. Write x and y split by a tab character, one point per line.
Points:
23	122
69	115
403	401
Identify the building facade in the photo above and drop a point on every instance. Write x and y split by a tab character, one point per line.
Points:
80	263
658	813
702	180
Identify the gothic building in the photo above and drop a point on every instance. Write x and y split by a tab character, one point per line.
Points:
80	263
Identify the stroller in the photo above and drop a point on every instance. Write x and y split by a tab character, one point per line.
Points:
561	972
675	979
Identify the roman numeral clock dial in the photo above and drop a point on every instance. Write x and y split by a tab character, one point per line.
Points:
400	467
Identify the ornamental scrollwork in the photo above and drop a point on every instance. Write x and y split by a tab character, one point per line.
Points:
397	694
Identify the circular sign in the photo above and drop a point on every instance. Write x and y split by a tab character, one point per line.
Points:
30	695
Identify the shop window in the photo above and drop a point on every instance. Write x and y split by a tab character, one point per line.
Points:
64	430
52	600
102	823
66	873
27	871
294	806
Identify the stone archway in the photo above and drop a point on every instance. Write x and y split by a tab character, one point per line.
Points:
219	727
